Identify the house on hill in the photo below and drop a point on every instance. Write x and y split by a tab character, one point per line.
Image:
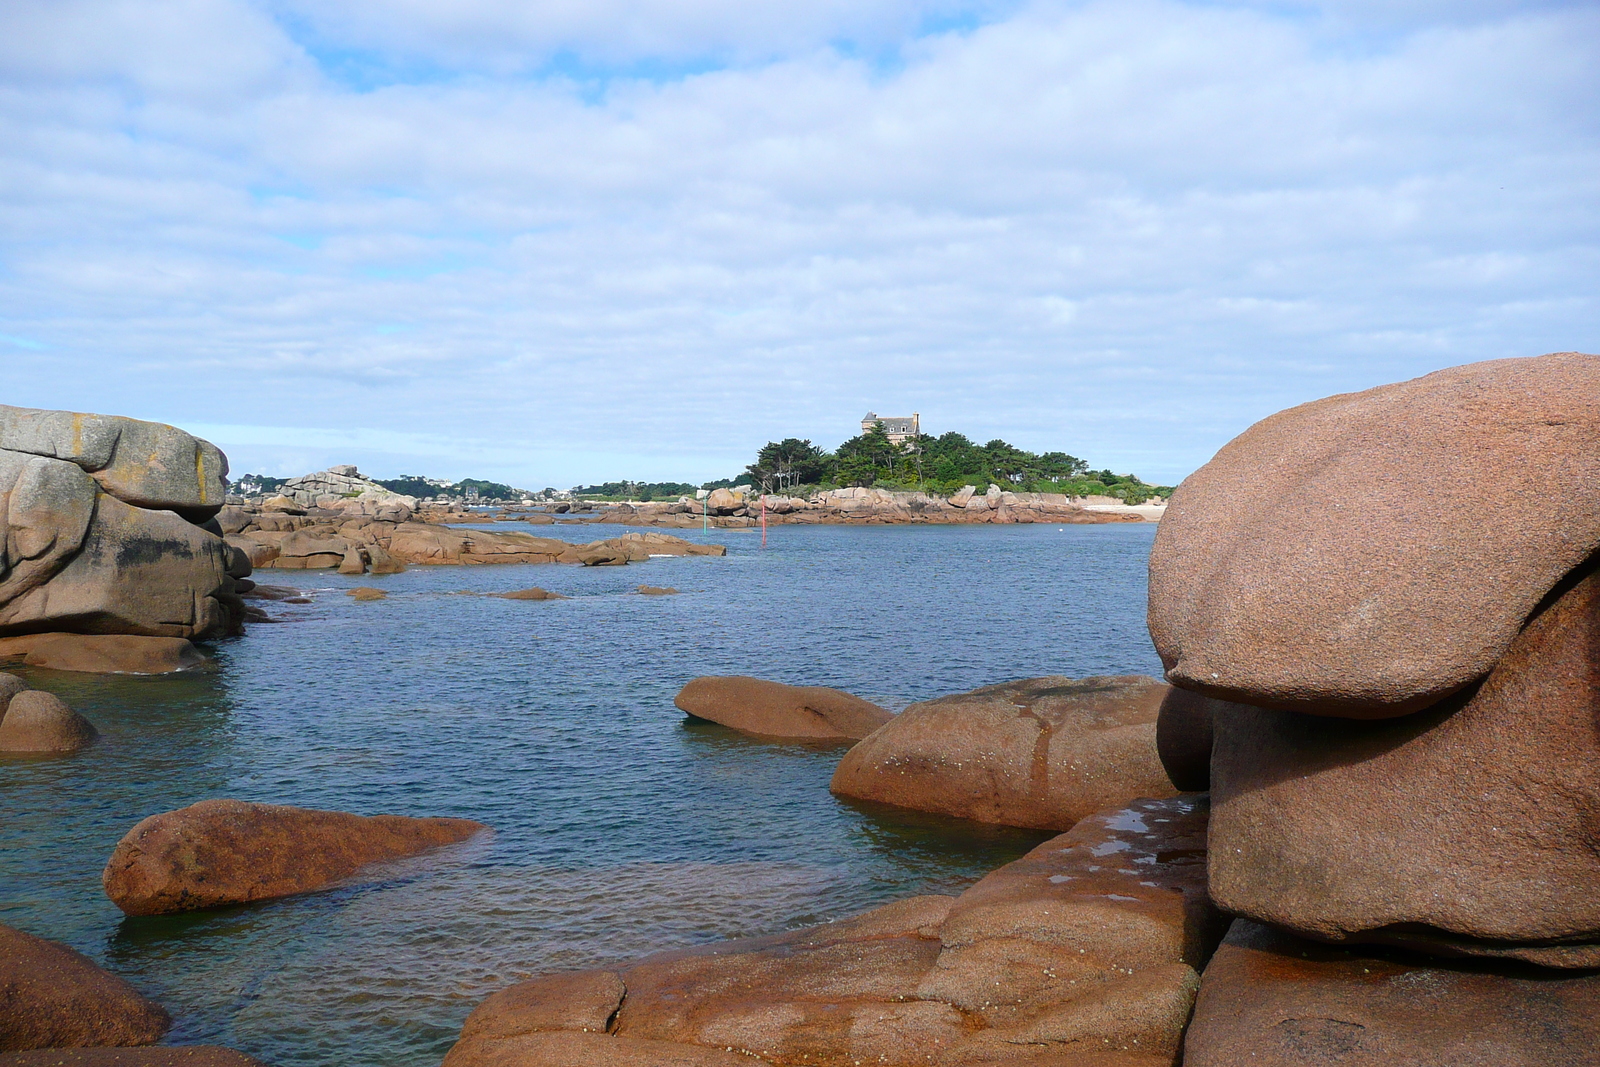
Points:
899	430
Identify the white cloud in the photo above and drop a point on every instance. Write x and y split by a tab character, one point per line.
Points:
1125	230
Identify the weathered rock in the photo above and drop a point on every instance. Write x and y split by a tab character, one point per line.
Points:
184	1056
146	464
1272	1000
772	709
10	686
656	590
221	852
1043	752
52	997
576	1049
82	560
1369	598
724	501
380	562
1468	828
602	555
1082	954
354	562
534	593
40	722
1184	738
257	551
366	592
103	653
1091	942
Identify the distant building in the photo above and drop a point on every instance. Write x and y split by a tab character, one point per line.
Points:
899	430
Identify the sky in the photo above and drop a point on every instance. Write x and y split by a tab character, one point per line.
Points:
555	242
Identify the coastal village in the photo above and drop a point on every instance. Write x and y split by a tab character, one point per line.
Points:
1353	823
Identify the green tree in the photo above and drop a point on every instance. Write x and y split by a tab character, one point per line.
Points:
865	458
785	464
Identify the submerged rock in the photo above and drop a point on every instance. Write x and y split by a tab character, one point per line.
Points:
1085	953
103	653
366	592
534	593
1043	752
221	852
657	590
1269	999
1367	596
36	722
52	997
772	709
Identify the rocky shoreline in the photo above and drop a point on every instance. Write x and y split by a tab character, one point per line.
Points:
732	509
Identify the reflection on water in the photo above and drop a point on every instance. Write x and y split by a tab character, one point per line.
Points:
620	827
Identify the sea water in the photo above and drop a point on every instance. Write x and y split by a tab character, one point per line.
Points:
619	827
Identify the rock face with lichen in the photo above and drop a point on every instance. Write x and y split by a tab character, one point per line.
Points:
102	529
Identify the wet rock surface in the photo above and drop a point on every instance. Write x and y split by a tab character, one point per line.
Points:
772	709
1042	752
1274	1000
220	852
1368	598
103	653
53	997
1085	951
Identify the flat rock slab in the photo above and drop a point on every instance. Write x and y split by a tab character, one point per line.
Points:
103	653
1396	567
221	852
1469	828
185	1056
52	996
772	709
1269	999
1042	752
1084	953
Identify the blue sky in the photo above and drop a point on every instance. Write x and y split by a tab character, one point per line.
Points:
554	243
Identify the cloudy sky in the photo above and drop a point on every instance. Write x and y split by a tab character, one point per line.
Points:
562	241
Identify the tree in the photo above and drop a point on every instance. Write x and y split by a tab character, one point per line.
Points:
788	463
868	456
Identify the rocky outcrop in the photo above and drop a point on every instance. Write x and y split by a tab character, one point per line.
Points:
1043	752
1468	828
186	1056
867	506
1368	597
326	540
1406	690
343	488
534	593
772	709
99	522
39	723
52	997
10	686
1062	957
146	464
103	653
221	852
1269	999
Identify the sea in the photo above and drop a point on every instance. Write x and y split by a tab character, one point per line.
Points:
620	827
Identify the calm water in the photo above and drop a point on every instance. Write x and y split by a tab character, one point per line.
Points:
619	828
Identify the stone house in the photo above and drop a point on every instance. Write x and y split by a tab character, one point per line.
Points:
899	430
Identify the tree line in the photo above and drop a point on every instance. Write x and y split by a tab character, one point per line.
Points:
940	464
